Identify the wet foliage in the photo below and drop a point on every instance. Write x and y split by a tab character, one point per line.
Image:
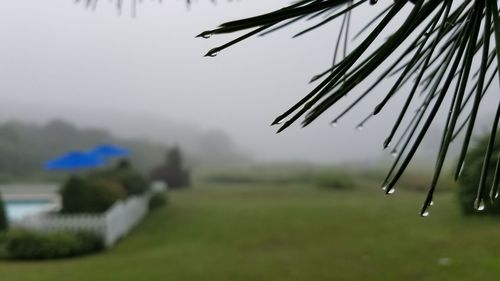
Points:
446	51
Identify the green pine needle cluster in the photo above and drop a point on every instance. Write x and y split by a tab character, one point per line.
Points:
445	50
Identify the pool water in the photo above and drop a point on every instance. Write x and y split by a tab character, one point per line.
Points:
18	209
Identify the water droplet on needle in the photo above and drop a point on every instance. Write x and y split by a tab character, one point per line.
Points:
479	205
425	213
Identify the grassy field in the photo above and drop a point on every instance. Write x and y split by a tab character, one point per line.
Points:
290	233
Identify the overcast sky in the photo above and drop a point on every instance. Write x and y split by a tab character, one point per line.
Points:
59	53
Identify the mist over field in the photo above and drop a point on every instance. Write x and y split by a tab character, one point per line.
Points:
146	76
126	154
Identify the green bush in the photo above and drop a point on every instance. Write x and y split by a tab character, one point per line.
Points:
90	195
26	245
2	237
471	173
90	242
334	180
3	216
74	195
3	252
131	180
158	200
103	194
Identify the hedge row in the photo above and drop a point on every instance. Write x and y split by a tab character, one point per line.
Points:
98	191
29	245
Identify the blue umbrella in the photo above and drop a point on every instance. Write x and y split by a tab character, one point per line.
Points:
74	160
108	150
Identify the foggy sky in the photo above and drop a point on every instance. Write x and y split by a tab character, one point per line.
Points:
55	54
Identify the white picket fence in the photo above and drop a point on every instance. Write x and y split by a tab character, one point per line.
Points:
111	225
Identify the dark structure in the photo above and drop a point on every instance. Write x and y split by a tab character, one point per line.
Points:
172	171
3	216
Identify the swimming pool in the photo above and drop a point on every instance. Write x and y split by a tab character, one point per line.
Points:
18	209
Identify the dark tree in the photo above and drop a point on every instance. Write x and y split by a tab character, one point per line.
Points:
3	216
172	172
472	173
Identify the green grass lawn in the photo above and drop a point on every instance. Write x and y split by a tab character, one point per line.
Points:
290	233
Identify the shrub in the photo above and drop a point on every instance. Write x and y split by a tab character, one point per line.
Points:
93	195
3	216
334	180
3	252
90	242
23	244
158	200
471	173
103	194
2	237
74	195
131	180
